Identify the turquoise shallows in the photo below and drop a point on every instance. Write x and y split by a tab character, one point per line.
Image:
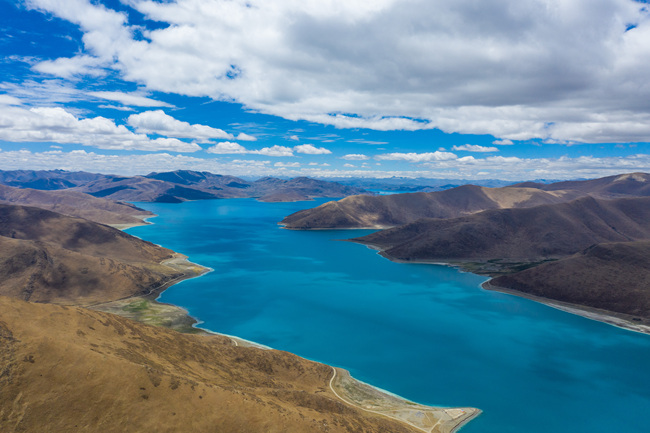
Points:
426	332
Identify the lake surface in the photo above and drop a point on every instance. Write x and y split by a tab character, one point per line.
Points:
428	333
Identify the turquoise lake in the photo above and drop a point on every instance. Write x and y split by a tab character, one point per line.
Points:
428	333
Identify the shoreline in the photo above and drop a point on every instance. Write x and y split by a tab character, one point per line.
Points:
124	226
149	310
619	320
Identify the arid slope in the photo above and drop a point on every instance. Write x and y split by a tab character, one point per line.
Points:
623	185
393	210
49	257
529	234
74	203
71	369
609	276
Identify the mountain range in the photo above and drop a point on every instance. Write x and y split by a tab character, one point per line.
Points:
397	209
177	186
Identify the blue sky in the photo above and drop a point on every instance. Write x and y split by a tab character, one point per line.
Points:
505	89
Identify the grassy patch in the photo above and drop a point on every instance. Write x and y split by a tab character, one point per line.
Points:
137	306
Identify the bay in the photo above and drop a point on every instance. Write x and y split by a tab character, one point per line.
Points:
426	332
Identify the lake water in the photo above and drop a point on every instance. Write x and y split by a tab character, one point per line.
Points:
428	333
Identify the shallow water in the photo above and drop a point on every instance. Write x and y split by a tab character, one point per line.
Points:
426	332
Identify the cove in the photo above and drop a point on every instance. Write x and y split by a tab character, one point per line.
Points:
426	332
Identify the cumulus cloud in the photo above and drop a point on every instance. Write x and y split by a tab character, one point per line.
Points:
287	164
245	137
474	148
227	147
274	151
355	157
310	149
55	124
504	142
512	168
131	99
417	157
9	100
74	66
158	122
517	70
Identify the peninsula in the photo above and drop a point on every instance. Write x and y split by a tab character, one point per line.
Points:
583	248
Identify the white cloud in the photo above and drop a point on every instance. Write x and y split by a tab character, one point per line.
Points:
287	164
157	122
65	67
348	165
116	107
274	151
294	138
9	100
355	157
474	148
227	147
131	99
310	149
245	137
504	142
516	70
417	157
57	125
510	168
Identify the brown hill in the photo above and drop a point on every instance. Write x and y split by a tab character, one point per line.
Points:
144	189
397	209
300	188
623	185
49	257
71	369
611	276
74	203
528	234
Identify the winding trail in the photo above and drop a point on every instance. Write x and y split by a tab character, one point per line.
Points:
372	411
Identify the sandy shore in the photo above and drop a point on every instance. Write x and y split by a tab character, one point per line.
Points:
619	320
143	222
428	419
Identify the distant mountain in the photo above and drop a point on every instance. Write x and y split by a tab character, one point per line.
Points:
182	185
144	189
177	186
49	257
526	234
46	179
74	203
407	184
610	276
398	209
623	185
